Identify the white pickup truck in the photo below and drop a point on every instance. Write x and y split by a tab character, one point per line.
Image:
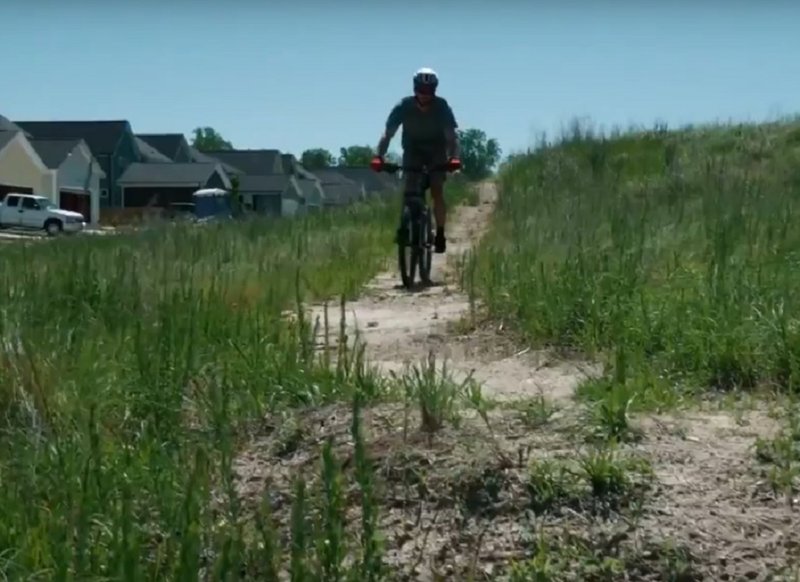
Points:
31	212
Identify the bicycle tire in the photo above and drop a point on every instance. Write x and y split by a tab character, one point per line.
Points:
426	246
407	262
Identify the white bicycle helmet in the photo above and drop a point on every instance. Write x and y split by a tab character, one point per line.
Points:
426	80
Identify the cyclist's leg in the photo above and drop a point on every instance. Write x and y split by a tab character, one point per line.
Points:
439	156
413	157
411	180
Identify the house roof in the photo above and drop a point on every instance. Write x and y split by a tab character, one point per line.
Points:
200	157
372	181
54	151
289	163
265	183
338	188
6	137
101	136
149	153
167	144
331	176
256	162
160	173
7	125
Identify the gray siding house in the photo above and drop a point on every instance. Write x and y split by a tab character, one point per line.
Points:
78	175
112	144
172	145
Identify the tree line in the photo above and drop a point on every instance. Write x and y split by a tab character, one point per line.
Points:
479	153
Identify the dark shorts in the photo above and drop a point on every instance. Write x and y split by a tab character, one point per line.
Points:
418	155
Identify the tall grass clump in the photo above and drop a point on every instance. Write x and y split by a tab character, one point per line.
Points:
129	365
673	254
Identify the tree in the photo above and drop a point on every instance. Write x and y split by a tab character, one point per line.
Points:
207	139
393	157
317	158
356	155
479	155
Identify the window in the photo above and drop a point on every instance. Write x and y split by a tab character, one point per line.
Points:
104	193
13	201
30	204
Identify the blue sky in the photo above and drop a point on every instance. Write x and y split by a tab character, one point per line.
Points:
304	74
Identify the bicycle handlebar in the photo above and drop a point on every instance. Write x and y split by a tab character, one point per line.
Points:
392	168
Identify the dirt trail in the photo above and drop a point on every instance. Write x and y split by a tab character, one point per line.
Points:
400	326
457	504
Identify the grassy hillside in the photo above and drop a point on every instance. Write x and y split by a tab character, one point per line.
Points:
131	364
674	255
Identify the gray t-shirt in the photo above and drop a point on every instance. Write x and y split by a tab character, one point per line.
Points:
423	128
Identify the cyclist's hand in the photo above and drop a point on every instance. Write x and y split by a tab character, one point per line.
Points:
376	163
454	164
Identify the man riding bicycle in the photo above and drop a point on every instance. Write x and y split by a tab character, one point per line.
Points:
429	137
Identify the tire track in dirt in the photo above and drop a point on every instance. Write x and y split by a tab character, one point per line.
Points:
399	327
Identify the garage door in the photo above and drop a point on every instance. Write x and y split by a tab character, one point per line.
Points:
77	202
6	188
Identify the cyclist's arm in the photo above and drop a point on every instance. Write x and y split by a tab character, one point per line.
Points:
451	133
392	124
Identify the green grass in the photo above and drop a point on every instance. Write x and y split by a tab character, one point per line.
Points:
130	366
673	256
133	367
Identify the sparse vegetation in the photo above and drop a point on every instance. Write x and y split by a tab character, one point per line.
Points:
437	394
782	454
535	411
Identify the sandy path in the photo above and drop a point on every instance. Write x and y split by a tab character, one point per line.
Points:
710	495
400	327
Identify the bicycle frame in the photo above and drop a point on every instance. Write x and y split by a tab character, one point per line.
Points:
416	218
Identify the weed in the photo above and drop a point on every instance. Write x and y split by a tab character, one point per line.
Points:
783	454
435	391
535	411
608	414
551	484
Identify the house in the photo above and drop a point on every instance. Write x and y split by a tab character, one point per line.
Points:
263	177
148	154
339	190
163	184
112	144
264	194
172	145
7	125
78	175
201	158
313	193
251	162
374	183
310	185
22	169
274	194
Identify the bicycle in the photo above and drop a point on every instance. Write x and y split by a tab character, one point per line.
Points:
415	234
